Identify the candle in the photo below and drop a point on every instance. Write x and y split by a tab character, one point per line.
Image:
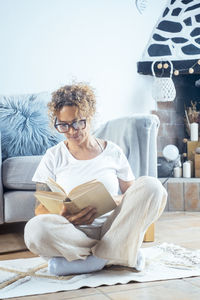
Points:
187	169
194	132
192	167
177	172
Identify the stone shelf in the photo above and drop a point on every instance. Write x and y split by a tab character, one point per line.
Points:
183	194
181	179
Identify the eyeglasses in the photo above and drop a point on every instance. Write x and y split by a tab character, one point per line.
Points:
64	127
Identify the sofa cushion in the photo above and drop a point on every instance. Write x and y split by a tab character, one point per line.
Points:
24	125
18	172
19	206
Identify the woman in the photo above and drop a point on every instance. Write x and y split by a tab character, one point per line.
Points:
81	243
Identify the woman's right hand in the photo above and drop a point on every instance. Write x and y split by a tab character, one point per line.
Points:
85	217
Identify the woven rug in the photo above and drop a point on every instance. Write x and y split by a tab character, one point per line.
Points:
23	277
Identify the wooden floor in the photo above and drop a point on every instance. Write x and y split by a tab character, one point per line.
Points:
182	229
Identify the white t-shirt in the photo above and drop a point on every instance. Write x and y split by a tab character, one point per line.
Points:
59	164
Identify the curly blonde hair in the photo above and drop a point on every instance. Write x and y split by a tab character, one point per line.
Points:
80	95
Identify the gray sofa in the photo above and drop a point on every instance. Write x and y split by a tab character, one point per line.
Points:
136	135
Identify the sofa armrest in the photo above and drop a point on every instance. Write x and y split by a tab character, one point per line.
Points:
147	131
1	189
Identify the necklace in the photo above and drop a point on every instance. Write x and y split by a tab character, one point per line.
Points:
98	143
100	146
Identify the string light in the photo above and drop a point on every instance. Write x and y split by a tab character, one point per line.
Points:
165	66
191	70
178	72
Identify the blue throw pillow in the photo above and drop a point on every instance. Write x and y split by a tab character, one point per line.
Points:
24	125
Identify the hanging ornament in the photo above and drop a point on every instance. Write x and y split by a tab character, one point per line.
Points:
141	5
163	87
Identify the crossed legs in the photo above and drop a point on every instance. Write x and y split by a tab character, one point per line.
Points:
119	239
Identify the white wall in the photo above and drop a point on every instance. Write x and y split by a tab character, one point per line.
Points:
47	43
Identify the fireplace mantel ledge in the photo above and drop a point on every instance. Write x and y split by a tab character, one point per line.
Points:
144	67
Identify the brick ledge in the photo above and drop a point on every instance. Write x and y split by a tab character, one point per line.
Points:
183	194
181	179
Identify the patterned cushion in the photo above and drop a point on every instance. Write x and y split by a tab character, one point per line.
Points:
24	125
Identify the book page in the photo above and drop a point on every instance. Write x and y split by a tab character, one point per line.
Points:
51	200
54	186
82	188
95	195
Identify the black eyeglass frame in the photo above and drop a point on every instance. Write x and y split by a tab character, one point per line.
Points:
69	125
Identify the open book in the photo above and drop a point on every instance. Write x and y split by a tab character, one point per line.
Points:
91	193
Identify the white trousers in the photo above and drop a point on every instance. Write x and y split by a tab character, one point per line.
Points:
119	238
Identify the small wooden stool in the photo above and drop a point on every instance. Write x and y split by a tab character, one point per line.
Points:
149	235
